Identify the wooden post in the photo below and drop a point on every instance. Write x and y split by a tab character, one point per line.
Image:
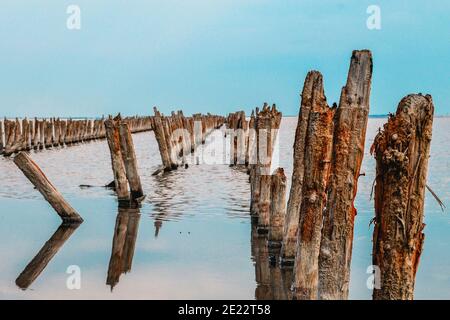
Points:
36	134
48	133
130	162
13	137
25	135
268	121
401	151
161	140
48	251
254	171
251	136
316	162
9	137
289	248
31	170
118	167
277	208
42	130
348	151
57	126
63	132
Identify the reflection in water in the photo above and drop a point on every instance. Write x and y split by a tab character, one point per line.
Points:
124	241
47	252
272	282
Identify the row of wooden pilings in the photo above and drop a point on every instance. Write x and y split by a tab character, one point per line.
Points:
178	136
127	184
38	134
313	233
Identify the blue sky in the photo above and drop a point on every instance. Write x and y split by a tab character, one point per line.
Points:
216	56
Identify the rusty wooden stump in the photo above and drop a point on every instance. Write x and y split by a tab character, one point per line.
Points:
401	151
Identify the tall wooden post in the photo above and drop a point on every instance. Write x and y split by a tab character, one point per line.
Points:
130	162
401	151
161	140
118	167
268	122
310	89
348	151
317	159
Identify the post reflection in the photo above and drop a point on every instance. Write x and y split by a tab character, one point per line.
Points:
45	255
272	282
123	244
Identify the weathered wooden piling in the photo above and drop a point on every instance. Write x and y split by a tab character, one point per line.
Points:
254	169
48	133
130	161
37	134
42	130
25	135
118	167
401	151
43	257
268	124
348	150
250	153
31	170
13	137
316	162
161	140
289	248
277	208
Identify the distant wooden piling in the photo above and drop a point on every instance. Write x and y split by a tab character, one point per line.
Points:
177	135
48	133
161	140
25	135
31	170
130	161
36	134
316	162
118	167
254	168
268	124
41	134
348	151
401	151
277	208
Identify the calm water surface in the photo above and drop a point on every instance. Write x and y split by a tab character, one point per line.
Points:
191	239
